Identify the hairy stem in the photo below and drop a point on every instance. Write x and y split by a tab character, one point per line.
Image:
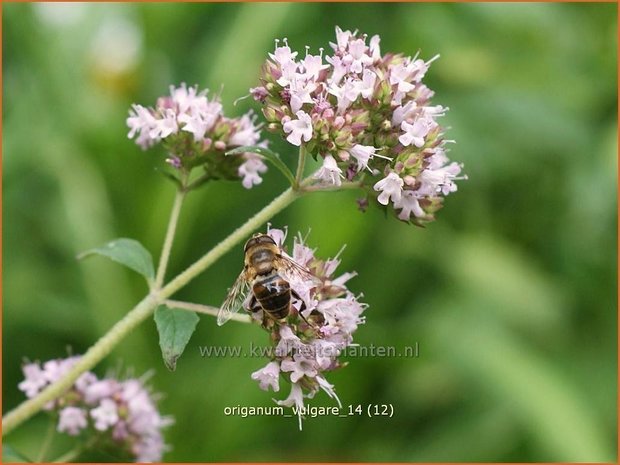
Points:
141	312
204	309
172	227
301	163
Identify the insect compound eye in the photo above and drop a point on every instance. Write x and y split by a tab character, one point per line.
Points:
258	239
265	239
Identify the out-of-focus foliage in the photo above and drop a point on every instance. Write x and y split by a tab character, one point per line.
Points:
511	293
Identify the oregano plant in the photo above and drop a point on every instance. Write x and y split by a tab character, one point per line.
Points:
367	117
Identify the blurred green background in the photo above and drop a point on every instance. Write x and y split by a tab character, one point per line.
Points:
510	294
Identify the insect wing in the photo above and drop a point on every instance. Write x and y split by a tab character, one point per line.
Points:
234	300
293	271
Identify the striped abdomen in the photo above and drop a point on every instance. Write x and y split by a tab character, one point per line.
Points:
274	295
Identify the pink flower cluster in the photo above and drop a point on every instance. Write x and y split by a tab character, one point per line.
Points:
123	412
307	346
195	132
367	116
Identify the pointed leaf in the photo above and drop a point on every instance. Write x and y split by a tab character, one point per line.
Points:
128	252
270	156
175	328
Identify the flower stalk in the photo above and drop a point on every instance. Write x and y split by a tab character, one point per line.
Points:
204	309
301	164
172	226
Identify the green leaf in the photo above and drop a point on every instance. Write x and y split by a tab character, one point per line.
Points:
10	456
270	156
128	252
175	327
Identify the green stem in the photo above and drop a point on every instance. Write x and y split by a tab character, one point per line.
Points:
141	312
172	226
204	309
301	163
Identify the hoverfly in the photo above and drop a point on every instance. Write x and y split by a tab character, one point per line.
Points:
266	275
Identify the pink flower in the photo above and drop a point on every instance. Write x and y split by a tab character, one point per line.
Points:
278	235
357	58
188	100
300	93
346	93
247	133
409	204
313	65
302	254
440	180
283	54
296	399
329	173
363	154
298	129
56	369
342	39
198	125
288	341
250	171
359	103
403	112
165	126
399	75
34	380
127	409
416	132
72	420
99	390
366	87
299	367
105	415
149	449
391	187
328	388
141	122
268	376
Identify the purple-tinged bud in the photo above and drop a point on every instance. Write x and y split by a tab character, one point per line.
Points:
321	106
343	138
174	161
220	145
409	180
164	103
270	113
351	172
259	93
344	155
339	122
411	162
206	144
362	204
399	167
